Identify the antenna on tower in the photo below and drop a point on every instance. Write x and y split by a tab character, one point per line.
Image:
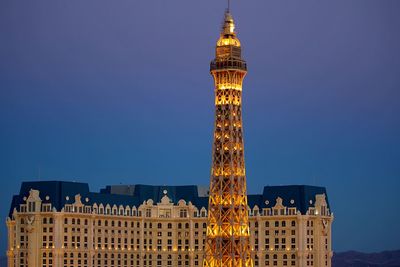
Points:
229	6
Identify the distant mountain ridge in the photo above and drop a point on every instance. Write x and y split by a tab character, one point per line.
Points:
343	259
359	259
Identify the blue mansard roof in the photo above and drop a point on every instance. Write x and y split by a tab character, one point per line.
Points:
60	193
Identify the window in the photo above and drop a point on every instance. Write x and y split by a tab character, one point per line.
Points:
182	213
31	206
148	212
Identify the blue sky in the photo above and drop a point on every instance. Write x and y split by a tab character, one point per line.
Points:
110	92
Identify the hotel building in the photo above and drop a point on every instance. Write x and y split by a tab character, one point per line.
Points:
63	224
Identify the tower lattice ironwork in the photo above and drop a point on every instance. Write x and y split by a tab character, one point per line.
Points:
228	237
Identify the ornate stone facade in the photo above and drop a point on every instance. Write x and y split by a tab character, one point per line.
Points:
62	224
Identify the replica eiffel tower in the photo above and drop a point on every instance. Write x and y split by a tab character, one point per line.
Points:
228	240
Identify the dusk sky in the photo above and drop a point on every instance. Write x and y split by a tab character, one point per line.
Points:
110	92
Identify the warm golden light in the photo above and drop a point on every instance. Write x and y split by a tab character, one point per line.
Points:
227	235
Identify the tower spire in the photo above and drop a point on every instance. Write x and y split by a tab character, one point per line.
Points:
228	235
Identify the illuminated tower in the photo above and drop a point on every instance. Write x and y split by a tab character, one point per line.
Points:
228	241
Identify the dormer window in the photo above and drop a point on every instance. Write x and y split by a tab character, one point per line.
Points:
22	208
148	212
31	206
183	213
46	207
324	211
292	211
311	211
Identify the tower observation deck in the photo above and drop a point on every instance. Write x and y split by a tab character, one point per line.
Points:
228	240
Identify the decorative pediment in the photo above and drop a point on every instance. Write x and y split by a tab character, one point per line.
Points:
165	200
279	204
78	200
320	200
33	196
181	202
